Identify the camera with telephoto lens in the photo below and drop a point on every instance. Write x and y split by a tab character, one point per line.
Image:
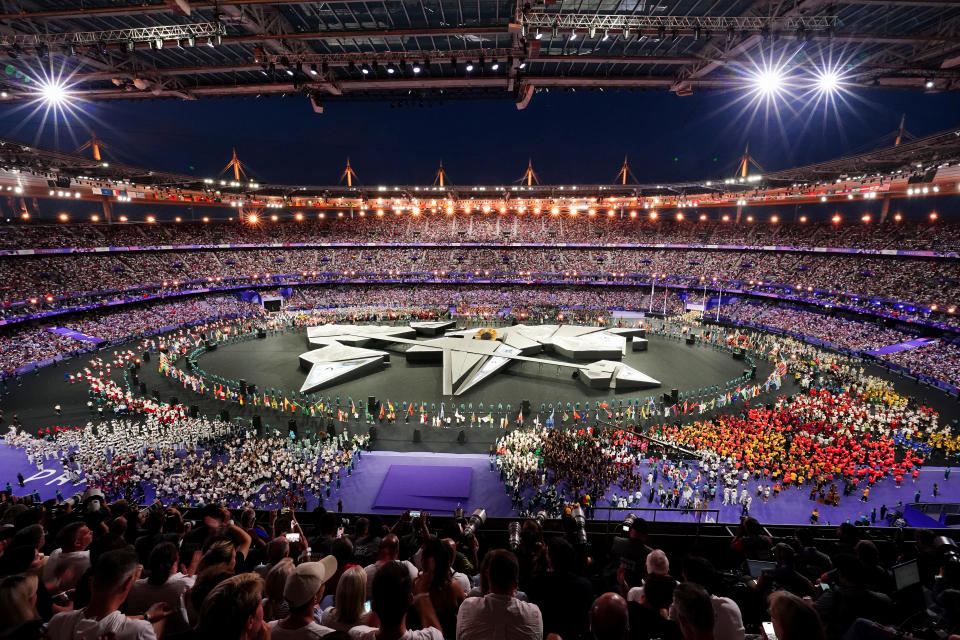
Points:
513	535
541	517
476	520
581	521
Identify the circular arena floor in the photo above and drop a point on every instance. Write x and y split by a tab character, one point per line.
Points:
272	362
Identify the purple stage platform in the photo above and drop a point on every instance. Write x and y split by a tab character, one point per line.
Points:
434	489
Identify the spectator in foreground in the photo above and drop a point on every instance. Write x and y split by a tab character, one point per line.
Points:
111	581
609	618
794	618
71	559
165	584
303	592
349	609
18	608
233	611
648	616
392	598
693	611
274	606
727	618
498	615
389	552
563	596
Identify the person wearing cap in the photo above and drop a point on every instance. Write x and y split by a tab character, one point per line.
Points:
303	592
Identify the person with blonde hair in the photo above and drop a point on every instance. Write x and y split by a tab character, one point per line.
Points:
794	618
349	610
18	607
233	610
274	606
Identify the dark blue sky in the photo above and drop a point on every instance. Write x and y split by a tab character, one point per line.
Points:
572	137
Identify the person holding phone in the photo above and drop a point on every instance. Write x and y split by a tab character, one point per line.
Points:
352	608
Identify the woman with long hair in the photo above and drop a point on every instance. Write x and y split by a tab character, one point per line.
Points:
348	610
18	608
274	606
436	578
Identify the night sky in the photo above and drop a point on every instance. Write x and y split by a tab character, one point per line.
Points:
571	136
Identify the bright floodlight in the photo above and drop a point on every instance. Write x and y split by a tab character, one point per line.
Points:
53	93
768	82
828	82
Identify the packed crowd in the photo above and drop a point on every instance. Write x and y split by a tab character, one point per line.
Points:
502	228
937	359
36	277
840	331
23	346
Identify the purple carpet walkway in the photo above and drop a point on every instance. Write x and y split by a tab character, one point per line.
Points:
360	491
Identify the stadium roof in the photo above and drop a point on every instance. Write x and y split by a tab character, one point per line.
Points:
401	50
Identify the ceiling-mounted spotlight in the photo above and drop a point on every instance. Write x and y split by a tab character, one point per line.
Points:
538	35
555	31
416	69
495	66
298	66
573	34
661	33
929	83
697	33
313	69
523	64
390	69
592	32
365	69
524	29
191	41
158	43
730	34
606	35
626	33
130	45
469	66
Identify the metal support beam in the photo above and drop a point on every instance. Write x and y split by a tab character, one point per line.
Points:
635	23
162	33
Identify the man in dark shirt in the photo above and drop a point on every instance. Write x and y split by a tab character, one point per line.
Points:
563	596
647	617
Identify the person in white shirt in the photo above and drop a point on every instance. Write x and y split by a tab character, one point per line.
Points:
165	584
303	592
499	615
71	560
392	597
389	552
112	578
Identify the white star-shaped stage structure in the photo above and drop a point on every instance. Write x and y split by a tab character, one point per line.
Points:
472	355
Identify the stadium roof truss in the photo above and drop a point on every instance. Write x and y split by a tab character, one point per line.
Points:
418	50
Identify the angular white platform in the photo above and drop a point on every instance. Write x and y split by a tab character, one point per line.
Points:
468	360
335	363
608	374
433	328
